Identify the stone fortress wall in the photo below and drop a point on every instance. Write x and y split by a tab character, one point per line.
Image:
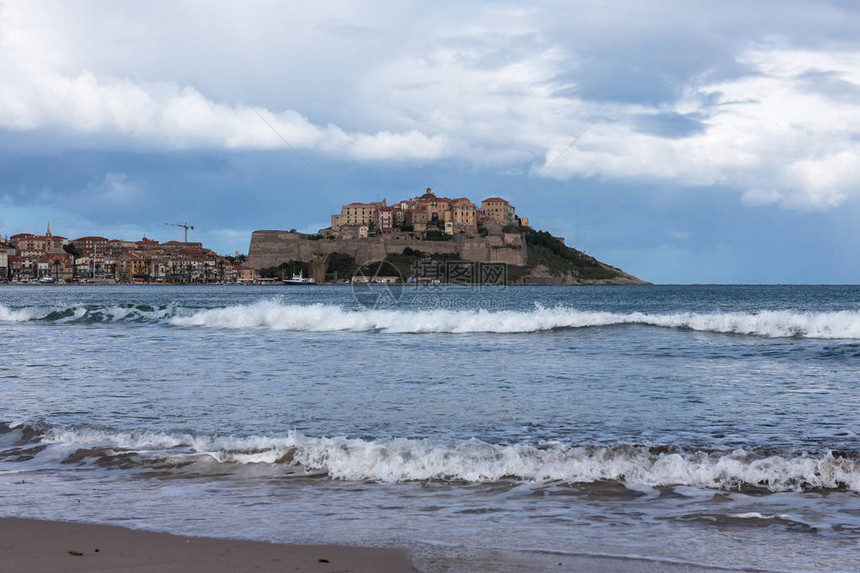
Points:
271	248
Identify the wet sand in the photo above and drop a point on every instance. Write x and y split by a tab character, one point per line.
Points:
28	545
34	546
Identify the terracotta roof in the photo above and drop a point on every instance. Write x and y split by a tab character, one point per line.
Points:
494	200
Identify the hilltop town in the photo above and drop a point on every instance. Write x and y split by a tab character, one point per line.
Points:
49	258
453	234
426	216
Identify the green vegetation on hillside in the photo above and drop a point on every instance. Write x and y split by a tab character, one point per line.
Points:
436	235
559	259
406	263
341	265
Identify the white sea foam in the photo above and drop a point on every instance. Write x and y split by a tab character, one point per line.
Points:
757	515
8	315
89	314
399	459
274	315
319	317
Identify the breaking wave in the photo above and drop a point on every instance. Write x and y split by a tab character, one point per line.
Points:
91	314
396	460
8	315
275	315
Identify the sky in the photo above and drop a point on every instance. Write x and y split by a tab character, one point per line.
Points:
683	142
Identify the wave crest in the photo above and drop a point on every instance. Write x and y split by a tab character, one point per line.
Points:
319	317
9	315
396	460
274	315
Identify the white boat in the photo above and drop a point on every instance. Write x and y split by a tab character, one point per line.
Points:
299	279
46	280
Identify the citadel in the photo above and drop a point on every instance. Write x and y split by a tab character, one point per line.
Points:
430	224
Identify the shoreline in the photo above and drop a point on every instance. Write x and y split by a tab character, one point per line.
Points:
331	284
28	545
54	546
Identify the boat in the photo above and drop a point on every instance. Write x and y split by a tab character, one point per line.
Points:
299	279
46	280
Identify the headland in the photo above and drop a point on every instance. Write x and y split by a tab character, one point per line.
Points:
433	239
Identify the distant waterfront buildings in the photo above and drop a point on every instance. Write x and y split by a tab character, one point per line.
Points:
49	257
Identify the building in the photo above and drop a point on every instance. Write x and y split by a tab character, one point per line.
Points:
145	243
34	245
58	263
499	210
110	259
416	219
437	208
28	243
356	214
386	219
464	215
6	255
246	273
86	245
134	266
354	231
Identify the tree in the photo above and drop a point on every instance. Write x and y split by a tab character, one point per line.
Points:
342	264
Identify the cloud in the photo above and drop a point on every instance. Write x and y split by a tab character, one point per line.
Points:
766	134
671	124
165	116
746	103
38	93
757	197
113	188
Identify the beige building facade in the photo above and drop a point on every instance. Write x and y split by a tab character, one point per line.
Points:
500	210
357	214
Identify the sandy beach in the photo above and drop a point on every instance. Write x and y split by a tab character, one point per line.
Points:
45	546
36	546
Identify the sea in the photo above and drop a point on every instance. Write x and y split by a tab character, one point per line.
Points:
488	428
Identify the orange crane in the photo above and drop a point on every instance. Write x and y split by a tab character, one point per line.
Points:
185	226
